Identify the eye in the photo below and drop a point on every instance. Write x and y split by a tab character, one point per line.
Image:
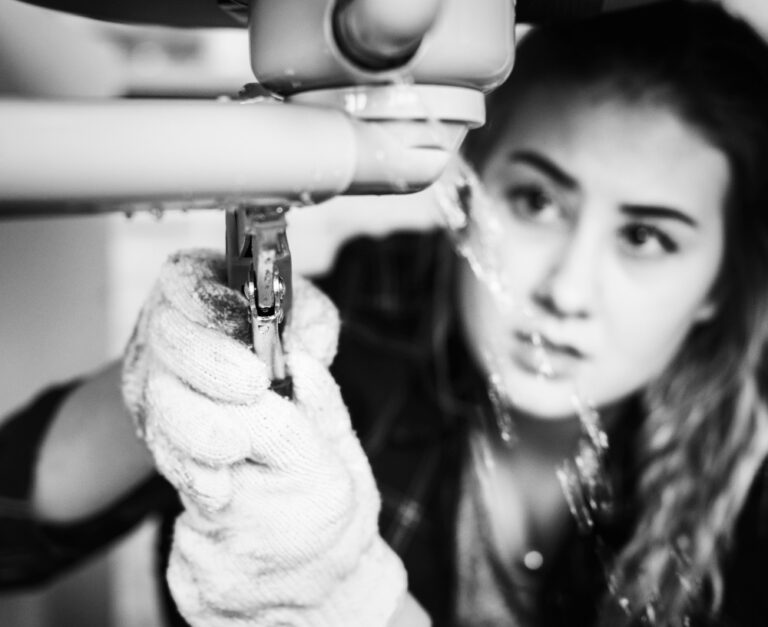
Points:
646	240
532	204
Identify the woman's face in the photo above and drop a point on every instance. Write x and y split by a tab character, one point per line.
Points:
612	229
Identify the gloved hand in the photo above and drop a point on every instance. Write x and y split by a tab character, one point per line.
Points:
281	508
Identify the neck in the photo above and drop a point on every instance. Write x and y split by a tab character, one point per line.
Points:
551	438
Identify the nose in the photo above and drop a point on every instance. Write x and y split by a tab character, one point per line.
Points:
568	287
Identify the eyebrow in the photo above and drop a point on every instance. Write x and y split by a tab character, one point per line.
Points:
545	165
653	211
562	178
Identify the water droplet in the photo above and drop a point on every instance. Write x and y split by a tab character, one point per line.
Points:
401	184
473	222
533	560
503	418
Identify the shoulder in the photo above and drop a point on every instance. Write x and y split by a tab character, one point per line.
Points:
20	436
395	297
33	552
385	275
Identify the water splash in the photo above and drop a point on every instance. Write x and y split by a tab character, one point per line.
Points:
505	425
470	217
473	225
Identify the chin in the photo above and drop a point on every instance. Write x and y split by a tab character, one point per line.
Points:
540	397
549	399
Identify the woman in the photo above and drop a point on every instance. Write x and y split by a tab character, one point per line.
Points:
625	205
618	251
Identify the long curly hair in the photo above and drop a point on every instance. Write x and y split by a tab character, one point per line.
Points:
705	432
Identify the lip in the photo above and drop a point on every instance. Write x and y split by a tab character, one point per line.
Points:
537	354
538	339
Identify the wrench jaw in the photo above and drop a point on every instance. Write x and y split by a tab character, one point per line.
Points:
259	265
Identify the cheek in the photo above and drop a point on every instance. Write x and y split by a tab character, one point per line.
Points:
638	345
527	257
645	328
644	351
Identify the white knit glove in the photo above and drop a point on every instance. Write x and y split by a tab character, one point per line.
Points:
281	508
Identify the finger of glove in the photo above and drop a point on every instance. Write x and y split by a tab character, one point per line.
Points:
283	437
318	393
199	427
189	581
209	488
186	590
371	595
206	359
194	282
316	390
243	571
272	431
205	582
293	517
210	575
313	325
